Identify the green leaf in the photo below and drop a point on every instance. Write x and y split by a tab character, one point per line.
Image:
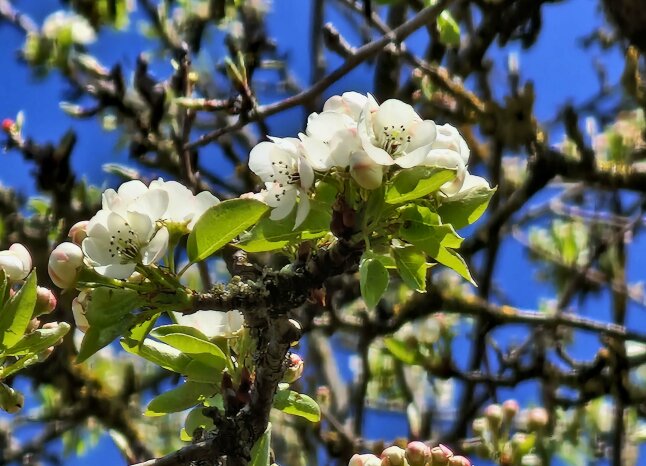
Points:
164	330
412	266
465	210
260	450
109	313
198	349
221	224
4	289
419	228
416	182
297	404
16	314
449	29
403	351
38	340
179	398
194	420
271	235
373	279
158	353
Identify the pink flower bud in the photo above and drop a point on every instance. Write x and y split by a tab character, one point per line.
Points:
367	173
16	262
295	369
441	455
78	232
65	262
510	409
364	460
417	453
45	301
537	419
78	311
479	426
459	461
393	456
493	413
7	125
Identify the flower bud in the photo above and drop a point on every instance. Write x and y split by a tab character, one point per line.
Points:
78	232
16	262
493	414
537	419
510	409
441	455
323	396
459	461
295	369
32	325
43	355
78	310
65	262
365	171
417	453
364	460
393	456
8	125
479	426
45	301
518	440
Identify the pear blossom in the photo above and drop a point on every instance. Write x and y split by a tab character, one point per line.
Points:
349	103
16	262
288	175
78	232
449	150
184	207
65	263
116	242
213	323
393	133
365	171
470	184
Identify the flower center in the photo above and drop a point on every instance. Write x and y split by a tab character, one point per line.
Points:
124	244
394	140
284	174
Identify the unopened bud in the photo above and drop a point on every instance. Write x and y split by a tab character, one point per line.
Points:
493	414
8	125
510	409
518	440
295	369
393	456
479	426
78	232
323	396
364	460
33	325
459	461
417	453
45	301
441	455
530	460
65	263
537	419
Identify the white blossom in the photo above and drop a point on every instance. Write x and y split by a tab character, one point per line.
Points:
16	262
184	208
449	150
365	171
77	26
393	133
471	183
288	175
213	323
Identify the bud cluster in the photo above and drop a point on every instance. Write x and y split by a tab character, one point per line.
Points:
415	454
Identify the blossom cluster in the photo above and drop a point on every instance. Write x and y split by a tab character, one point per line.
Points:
415	454
134	226
356	135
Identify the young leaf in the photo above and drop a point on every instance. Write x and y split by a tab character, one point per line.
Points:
16	314
176	328
403	351
449	29
412	266
373	280
291	402
198	349
260	450
179	398
221	224
271	235
465	210
99	336
195	419
158	353
417	182
38	340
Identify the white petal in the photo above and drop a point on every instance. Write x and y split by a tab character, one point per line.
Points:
260	160
365	171
395	113
316	151
414	158
131	190
325	125
306	173
285	206
203	202
98	225
23	255
98	251
156	249
422	134
180	202
118	271
141	224
444	158
11	265
153	203
303	208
